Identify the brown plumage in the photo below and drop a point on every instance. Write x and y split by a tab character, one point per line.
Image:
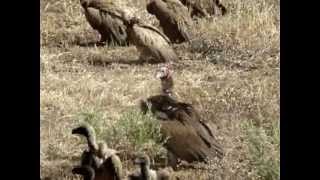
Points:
112	166
204	8
152	44
101	15
174	19
190	138
87	172
103	160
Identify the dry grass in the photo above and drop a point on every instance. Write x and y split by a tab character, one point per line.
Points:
230	73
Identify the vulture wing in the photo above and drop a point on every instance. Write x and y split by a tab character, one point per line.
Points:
190	138
152	41
157	31
106	6
181	17
88	158
112	168
93	17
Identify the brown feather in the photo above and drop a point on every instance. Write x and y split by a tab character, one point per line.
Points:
189	138
150	42
103	16
173	17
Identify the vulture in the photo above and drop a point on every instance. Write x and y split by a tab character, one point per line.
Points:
86	172
145	173
204	8
102	159
174	19
189	138
153	45
102	16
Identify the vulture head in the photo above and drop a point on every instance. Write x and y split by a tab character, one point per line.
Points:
164	73
84	3
88	132
151	6
84	130
142	160
86	171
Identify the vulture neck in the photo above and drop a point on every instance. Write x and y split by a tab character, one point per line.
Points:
145	171
167	85
91	139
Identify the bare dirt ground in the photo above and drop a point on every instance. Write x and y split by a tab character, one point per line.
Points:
229	72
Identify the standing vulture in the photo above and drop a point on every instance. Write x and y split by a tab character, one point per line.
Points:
174	19
189	137
103	160
204	8
102	16
152	44
89	157
145	173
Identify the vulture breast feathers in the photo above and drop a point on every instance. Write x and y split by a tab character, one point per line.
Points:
150	42
189	138
103	15
173	17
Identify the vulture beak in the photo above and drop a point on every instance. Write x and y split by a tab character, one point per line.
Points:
159	74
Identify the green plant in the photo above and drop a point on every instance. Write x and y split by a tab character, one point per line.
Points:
264	149
138	132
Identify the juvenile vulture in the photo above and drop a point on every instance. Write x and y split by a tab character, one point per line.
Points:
102	16
86	172
145	173
152	44
174	19
204	8
102	159
189	137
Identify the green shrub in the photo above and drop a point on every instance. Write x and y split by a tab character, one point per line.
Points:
137	132
264	149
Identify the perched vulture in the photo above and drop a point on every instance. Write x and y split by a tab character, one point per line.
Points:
145	173
102	159
174	19
152	44
86	172
189	137
204	8
102	16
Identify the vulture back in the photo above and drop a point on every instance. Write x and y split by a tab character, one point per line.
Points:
189	138
151	43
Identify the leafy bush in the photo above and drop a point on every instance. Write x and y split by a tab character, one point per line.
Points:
264	149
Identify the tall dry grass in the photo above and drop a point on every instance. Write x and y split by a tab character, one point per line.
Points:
230	73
